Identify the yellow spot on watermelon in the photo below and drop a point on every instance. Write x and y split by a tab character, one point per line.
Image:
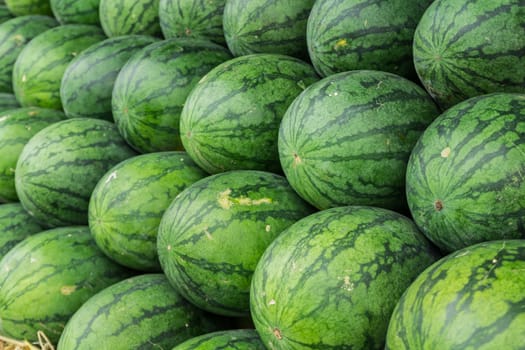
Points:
341	43
226	201
68	290
445	152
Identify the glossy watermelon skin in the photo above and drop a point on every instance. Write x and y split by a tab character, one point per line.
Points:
15	225
17	126
345	35
464	177
141	312
47	277
14	35
60	166
192	18
124	17
214	232
88	80
470	299
270	26
29	7
234	339
346	139
128	202
152	87
8	101
468	48
231	119
332	279
76	11
39	67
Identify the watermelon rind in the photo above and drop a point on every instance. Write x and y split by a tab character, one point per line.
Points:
5	14
233	339
332	279
15	224
29	7
8	101
125	17
470	299
76	11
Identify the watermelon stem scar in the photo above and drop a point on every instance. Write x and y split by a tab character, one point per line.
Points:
277	333
438	205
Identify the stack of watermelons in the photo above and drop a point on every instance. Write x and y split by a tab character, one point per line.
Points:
262	174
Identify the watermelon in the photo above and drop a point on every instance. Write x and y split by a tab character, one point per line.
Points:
8	101
17	126
152	87
141	312
39	67
123	17
127	204
15	225
345	35
5	14
76	11
14	35
346	139
88	80
332	279
60	166
192	18
47	277
29	7
213	233
231	118
467	48
234	339
470	299
270	26
464	179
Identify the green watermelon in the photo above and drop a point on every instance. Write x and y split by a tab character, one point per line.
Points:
47	277
346	139
29	7
269	26
87	83
15	225
152	87
345	35
332	280
39	67
5	14
60	166
8	101
76	11
471	299
127	204
192	18
466	48
141	312
17	126
213	233
14	35
464	179
124	17
231	118
234	339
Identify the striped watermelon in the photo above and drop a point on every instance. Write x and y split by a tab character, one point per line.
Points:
471	299
466	48
15	225
76	11
60	166
47	277
345	35
141	312
234	339
5	14
270	26
127	204
87	83
124	17
152	87
332	280
8	101
213	233
29	7
231	118
14	35
192	18
39	67
346	140
17	126
464	180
